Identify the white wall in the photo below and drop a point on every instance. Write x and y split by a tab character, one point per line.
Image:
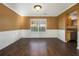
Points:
48	33
9	37
78	40
61	35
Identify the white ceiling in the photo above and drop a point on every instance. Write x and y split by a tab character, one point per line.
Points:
48	9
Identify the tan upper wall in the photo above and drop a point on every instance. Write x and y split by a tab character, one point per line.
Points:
8	19
51	21
78	18
24	22
61	22
63	17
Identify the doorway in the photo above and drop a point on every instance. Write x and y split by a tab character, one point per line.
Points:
71	29
38	27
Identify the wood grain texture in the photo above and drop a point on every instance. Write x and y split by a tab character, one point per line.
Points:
8	19
40	47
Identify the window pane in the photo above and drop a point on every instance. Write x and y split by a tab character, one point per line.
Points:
41	29
38	25
34	29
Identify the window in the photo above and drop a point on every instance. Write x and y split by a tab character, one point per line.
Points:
38	25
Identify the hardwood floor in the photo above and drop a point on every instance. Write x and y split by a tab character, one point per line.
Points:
39	47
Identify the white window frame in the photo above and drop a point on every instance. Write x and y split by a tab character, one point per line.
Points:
38	21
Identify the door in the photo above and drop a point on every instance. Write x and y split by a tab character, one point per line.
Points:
37	27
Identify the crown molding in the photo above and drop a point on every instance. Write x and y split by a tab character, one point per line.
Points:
12	9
